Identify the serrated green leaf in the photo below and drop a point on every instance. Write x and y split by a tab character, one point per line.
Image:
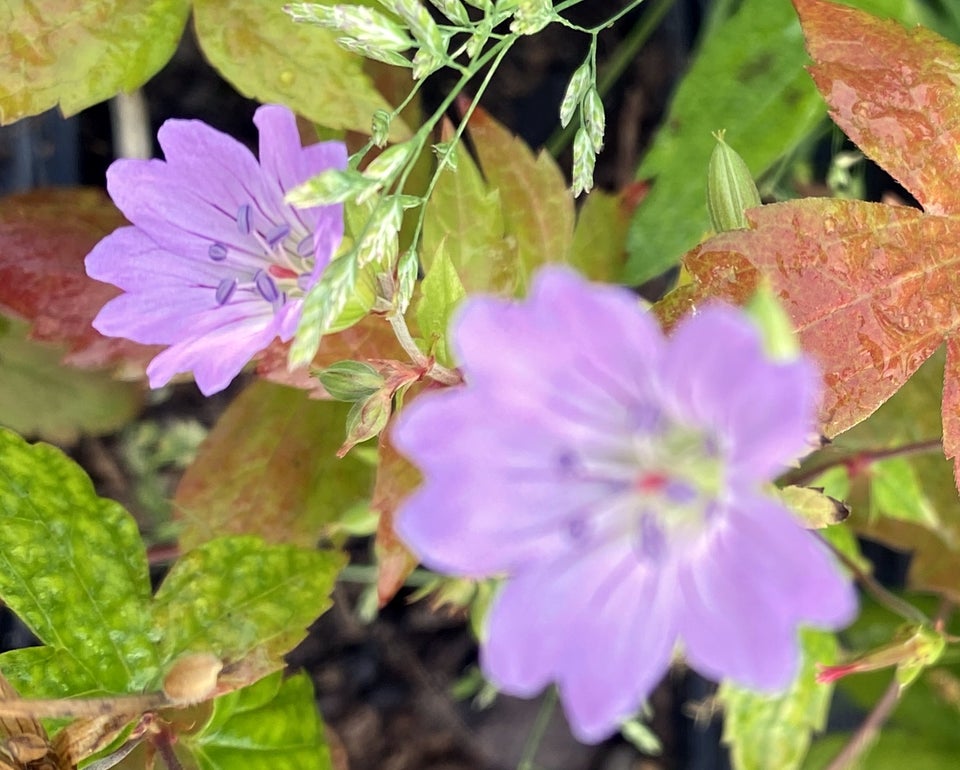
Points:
440	292
269	468
266	55
73	567
748	78
271	725
765	731
467	215
39	397
77	54
236	594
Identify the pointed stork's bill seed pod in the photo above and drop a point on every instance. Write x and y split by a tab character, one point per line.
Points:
730	188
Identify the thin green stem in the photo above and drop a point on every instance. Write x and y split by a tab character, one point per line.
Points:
431	368
860	459
538	729
367	574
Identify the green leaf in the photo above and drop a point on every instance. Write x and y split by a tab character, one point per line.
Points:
765	731
537	205
271	725
73	567
748	78
269	468
267	56
467	215
78	54
234	595
441	290
597	250
895	491
40	397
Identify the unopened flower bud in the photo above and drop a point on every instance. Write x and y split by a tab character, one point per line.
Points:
730	188
350	380
366	419
425	63
421	24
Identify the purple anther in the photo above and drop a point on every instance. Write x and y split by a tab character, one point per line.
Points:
266	286
305	247
244	218
275	234
679	492
217	252
225	290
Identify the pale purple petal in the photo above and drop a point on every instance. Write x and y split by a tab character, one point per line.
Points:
597	623
214	358
614	480
213	265
717	375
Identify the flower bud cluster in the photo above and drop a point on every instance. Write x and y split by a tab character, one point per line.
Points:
582	94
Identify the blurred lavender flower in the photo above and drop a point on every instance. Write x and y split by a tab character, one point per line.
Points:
215	264
614	478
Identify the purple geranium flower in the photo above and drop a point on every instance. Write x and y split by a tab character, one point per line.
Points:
215	264
614	478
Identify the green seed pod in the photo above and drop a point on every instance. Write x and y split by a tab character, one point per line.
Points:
350	380
594	119
584	159
330	186
730	188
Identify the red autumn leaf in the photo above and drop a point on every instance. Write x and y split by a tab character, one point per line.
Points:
44	237
872	289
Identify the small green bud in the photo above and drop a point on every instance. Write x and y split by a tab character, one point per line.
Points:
582	79
480	36
330	186
321	307
372	52
380	127
366	419
730	188
381	241
447	152
594	119
365	25
532	16
453	10
408	268
425	63
388	163
584	159
358	304
350	380
421	25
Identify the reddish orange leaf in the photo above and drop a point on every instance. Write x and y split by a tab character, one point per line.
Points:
44	237
269	468
396	479
872	289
